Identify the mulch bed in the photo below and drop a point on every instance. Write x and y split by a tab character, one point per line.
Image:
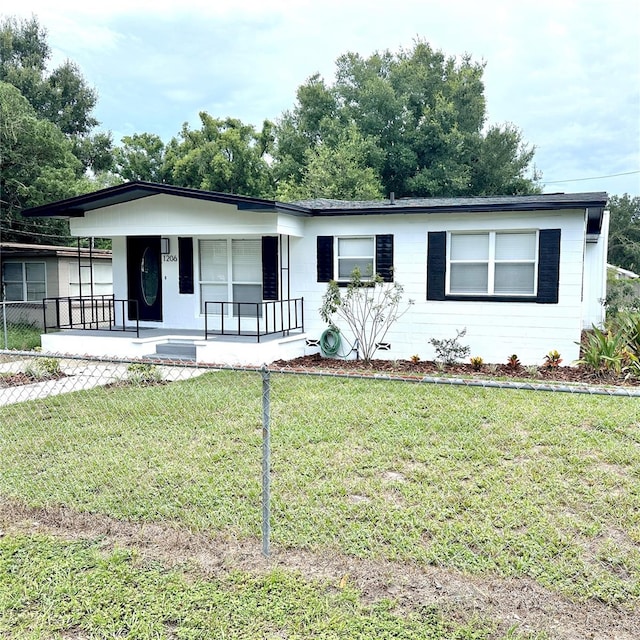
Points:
542	375
21	379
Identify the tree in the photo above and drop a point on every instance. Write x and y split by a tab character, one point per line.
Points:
141	157
426	114
223	155
369	306
339	171
61	96
37	165
624	232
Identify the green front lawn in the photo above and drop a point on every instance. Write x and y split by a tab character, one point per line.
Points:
486	481
54	589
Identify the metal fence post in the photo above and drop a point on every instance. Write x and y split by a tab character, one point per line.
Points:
4	325
266	460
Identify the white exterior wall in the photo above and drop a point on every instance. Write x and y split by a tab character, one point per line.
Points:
172	217
495	330
595	278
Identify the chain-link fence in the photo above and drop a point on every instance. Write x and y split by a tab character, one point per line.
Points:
21	324
477	479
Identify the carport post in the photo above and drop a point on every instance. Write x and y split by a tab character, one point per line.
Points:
266	460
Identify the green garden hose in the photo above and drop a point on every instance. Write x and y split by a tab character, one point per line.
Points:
330	342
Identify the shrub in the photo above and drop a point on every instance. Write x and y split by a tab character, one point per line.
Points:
622	295
552	360
513	362
43	368
143	373
476	363
603	351
369	307
449	350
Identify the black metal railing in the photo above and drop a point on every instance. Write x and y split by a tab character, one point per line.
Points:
91	313
256	319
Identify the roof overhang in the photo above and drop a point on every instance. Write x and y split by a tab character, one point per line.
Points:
591	204
78	206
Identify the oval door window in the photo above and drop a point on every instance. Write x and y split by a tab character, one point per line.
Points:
149	276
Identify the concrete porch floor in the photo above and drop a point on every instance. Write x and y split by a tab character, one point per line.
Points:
177	344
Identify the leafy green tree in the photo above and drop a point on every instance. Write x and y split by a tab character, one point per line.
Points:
60	95
140	157
223	155
426	114
624	232
339	171
37	165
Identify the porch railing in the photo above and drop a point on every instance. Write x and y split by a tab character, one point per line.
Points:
91	312
254	319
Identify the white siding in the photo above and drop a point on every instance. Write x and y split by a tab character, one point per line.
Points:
595	278
495	330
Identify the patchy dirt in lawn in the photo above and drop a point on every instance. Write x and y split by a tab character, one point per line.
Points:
518	603
541	375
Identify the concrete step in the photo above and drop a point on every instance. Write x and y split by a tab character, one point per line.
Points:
183	350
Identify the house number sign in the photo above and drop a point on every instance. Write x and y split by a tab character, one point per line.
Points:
169	258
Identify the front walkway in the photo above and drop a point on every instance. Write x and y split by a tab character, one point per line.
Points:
79	375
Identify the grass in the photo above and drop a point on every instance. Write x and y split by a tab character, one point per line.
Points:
485	481
49	588
21	337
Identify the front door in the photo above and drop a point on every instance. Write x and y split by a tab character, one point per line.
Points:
144	274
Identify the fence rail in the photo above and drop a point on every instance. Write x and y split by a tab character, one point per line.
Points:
90	312
254	319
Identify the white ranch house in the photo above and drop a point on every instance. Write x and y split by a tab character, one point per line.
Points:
238	280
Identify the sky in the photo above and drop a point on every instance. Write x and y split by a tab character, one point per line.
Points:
565	72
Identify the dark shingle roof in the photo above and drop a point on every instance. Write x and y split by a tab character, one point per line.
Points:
322	206
130	191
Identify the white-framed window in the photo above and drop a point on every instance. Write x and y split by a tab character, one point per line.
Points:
352	252
24	281
231	271
500	263
102	279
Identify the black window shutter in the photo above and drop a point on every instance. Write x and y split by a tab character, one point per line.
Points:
384	257
548	266
436	264
325	258
185	265
270	267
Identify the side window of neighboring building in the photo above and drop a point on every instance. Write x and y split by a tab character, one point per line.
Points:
24	281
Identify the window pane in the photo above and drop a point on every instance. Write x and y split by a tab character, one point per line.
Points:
12	272
35	272
13	291
470	246
246	258
515	246
247	293
213	293
35	290
469	278
213	260
354	247
514	278
347	265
